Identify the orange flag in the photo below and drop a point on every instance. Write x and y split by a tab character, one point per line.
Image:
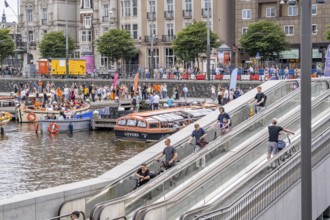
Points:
136	81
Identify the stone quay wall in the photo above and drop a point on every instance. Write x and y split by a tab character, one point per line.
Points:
198	89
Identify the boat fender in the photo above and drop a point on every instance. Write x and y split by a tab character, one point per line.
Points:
31	117
53	128
71	128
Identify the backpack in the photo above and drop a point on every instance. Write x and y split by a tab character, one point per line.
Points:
134	101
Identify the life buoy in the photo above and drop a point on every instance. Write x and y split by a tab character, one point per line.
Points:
53	128
31	117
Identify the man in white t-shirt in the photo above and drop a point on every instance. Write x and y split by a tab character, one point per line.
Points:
156	101
66	92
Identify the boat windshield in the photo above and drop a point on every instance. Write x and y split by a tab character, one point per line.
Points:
142	124
131	122
154	125
122	122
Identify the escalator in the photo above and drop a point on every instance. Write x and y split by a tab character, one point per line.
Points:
222	174
160	187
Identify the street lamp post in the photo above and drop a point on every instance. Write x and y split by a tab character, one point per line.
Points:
152	38
305	99
208	46
306	64
66	40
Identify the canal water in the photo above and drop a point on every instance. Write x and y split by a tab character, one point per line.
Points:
30	161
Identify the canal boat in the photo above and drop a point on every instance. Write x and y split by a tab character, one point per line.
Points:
153	126
31	114
54	126
5	118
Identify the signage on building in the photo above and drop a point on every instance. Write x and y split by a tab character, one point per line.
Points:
289	54
89	63
327	63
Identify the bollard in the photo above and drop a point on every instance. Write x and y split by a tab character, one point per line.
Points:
71	128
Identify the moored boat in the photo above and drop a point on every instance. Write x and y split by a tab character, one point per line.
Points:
153	126
69	125
31	114
5	118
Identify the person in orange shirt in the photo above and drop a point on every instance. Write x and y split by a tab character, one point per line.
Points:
37	104
59	94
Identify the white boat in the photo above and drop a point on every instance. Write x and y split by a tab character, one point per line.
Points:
29	114
59	126
5	118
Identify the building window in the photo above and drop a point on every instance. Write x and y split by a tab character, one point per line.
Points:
135	8
106	10
246	14
44	14
152	29
152	5
87	21
156	57
270	12
127	27
170	29
29	16
86	36
314	29
105	29
127	8
314	9
244	30
31	36
169	57
87	4
187	23
188	5
105	62
169	4
293	10
135	31
289	30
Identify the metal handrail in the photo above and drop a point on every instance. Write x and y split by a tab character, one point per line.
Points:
186	162
247	148
67	215
129	173
294	161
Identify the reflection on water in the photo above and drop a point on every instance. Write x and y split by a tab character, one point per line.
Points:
30	161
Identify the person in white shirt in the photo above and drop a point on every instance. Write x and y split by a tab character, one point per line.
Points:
156	101
185	92
66	92
226	96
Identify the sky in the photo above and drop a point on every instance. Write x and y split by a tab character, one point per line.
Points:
9	13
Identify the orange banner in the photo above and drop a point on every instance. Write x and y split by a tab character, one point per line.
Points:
136	81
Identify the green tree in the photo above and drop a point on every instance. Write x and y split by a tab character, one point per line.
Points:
265	37
6	45
327	33
52	45
116	44
192	41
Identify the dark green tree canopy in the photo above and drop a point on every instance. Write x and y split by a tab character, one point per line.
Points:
6	44
327	33
265	37
52	45
192	40
116	44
